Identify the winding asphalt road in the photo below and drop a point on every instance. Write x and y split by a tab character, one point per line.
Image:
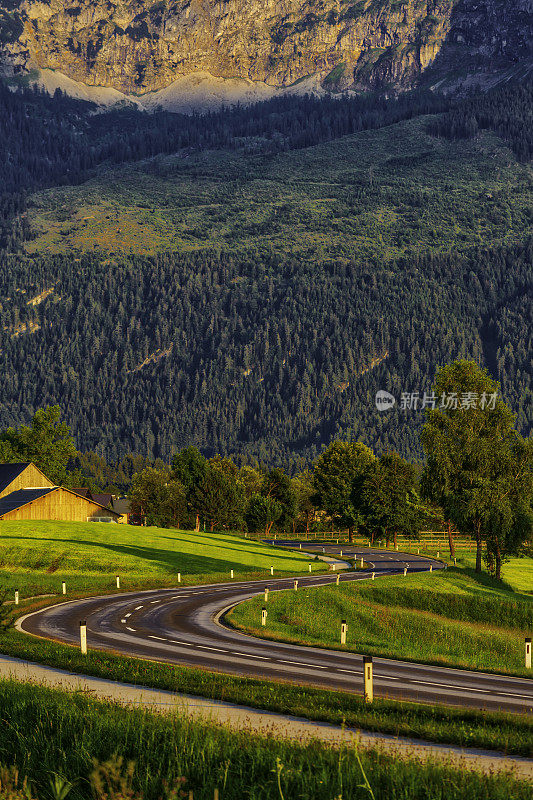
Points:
186	626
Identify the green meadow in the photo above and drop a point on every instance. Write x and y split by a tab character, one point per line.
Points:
35	557
454	618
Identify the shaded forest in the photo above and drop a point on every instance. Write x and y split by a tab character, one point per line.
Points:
269	359
259	355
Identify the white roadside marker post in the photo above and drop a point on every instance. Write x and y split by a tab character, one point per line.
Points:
179	577
83	637
368	679
338	579
455	562
118	581
431	567
295	586
528	653
323	550
300	545
373	575
438	553
418	551
64	587
333	567
263	616
271	570
16	597
344	628
231	573
341	553
362	562
310	568
404	571
266	594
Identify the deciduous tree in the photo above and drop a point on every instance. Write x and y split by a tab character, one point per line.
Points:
338	477
388	495
158	497
47	442
467	439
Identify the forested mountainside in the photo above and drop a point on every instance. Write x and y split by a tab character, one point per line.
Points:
265	357
248	293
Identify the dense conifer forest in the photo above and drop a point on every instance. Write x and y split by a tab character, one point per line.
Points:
255	353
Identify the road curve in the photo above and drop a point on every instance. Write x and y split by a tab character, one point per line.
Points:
186	626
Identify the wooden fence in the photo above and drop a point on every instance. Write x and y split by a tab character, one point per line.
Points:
431	541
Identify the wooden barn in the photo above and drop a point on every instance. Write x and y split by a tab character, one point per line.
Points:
21	476
27	494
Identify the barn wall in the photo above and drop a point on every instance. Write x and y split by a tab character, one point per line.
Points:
58	506
31	478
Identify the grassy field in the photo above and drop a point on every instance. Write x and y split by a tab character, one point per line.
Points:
46	733
36	557
377	194
453	618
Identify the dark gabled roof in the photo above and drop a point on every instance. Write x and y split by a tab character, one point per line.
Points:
102	499
21	498
8	473
122	505
81	492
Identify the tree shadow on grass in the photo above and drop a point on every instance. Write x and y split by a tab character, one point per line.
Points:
281	555
170	561
485	582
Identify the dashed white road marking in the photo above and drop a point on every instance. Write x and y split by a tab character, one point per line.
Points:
249	655
132	630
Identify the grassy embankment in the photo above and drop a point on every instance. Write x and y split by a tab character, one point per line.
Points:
454	618
46	734
35	557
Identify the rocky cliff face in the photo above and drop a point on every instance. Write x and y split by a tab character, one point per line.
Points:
144	45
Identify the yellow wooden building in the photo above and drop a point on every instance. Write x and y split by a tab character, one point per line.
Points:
27	494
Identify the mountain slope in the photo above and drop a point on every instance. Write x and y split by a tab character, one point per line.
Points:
254	304
138	46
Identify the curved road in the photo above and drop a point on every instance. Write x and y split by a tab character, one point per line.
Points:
185	626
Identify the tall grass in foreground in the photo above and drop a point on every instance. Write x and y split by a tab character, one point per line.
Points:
46	733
